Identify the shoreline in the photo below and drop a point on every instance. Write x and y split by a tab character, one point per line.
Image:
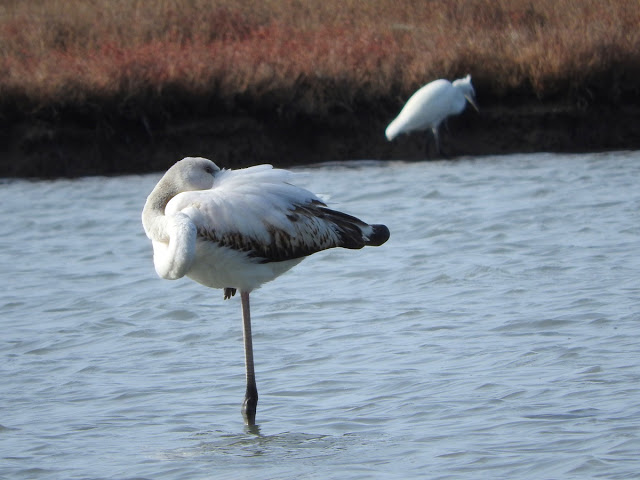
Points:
114	88
79	142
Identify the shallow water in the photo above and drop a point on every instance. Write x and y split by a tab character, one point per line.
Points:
494	336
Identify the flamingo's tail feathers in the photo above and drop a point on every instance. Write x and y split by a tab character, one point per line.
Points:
379	235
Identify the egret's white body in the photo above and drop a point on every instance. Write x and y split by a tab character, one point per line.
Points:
237	229
428	107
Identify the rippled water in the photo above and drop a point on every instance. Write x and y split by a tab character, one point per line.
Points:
495	335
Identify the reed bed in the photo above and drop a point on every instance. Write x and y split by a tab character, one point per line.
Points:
113	86
309	56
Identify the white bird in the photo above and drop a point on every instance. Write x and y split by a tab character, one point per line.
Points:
237	229
432	104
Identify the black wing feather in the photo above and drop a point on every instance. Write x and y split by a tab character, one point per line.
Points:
318	228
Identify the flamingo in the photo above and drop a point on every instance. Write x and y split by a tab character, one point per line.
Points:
432	104
238	229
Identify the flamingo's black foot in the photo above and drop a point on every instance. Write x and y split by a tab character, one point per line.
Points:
250	405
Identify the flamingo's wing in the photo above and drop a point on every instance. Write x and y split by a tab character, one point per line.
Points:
258	211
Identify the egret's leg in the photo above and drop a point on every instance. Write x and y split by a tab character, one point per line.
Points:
427	143
251	395
446	125
436	138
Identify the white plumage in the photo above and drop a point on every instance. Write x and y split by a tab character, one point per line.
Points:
237	229
430	105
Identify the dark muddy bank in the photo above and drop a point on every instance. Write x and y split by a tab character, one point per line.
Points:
98	139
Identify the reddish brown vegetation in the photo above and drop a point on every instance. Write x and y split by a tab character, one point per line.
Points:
155	59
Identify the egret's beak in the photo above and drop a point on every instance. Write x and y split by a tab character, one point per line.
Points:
472	101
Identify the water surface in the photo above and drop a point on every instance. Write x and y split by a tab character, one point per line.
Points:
494	336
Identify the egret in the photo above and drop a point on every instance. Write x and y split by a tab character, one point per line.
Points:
432	104
237	229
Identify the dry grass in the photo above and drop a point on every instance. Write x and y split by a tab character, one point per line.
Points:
309	56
